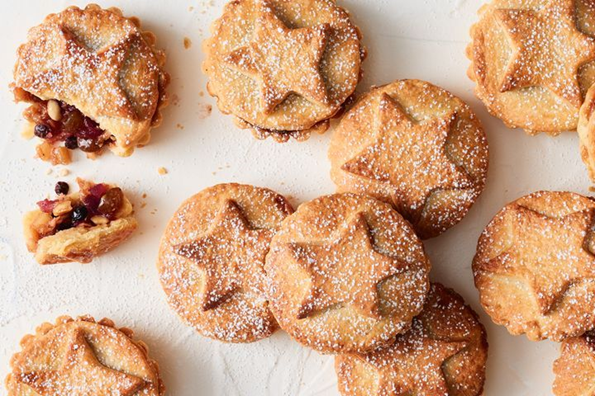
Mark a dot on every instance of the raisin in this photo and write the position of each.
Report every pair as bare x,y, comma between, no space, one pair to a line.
78,214
71,143
41,131
62,188
111,202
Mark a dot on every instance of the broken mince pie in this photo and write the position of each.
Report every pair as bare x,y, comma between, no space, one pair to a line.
93,79
79,226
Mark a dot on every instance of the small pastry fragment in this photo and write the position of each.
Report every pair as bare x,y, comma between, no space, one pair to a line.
534,267
347,274
79,226
415,146
93,79
444,353
212,256
534,61
283,68
82,357
575,368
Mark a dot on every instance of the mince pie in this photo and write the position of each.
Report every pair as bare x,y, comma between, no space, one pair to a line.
79,226
283,67
92,78
82,357
347,274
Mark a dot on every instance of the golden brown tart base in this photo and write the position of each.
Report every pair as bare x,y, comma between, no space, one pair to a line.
347,274
416,146
534,266
251,63
575,368
212,256
101,63
56,235
81,357
444,353
534,61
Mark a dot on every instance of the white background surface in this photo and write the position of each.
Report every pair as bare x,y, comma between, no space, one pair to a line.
422,39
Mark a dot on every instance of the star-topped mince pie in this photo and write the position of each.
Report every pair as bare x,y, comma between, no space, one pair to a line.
80,358
79,226
535,267
444,353
347,274
533,62
415,146
575,368
211,260
283,68
93,79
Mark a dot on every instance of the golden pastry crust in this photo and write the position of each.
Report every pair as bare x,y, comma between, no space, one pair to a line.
575,368
534,266
586,132
80,244
212,256
444,353
77,357
251,58
416,146
103,64
347,274
533,61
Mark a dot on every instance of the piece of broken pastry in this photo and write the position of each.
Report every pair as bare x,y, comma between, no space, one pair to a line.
79,226
93,79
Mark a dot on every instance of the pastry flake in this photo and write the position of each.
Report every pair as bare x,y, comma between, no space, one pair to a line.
534,266
251,63
83,357
93,78
211,261
445,350
347,273
575,368
531,62
415,146
79,226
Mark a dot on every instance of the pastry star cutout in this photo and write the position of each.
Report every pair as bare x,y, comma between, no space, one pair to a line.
409,157
414,366
548,49
81,374
97,74
231,255
346,270
283,60
548,253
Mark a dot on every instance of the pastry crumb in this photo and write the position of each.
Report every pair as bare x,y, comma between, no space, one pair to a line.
180,126
187,43
204,110
64,172
162,171
28,131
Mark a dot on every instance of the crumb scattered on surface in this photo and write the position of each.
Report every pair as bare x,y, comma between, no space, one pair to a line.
204,110
175,100
179,126
64,172
187,43
162,171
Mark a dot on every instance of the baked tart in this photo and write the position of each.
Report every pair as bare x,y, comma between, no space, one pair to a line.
79,226
211,261
347,274
444,354
575,368
283,68
93,79
535,266
82,357
533,62
415,146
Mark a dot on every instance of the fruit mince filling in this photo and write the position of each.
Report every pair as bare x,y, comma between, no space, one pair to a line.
97,204
56,122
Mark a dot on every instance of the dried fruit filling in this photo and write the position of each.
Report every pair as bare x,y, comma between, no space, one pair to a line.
96,204
56,121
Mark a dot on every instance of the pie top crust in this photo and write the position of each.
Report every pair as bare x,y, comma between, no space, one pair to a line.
81,357
103,64
575,368
444,353
212,256
347,273
416,146
251,63
535,266
534,61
